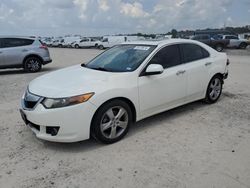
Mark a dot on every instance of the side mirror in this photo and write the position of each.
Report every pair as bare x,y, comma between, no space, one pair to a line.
154,69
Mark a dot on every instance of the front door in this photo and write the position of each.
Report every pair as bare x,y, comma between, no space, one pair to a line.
158,93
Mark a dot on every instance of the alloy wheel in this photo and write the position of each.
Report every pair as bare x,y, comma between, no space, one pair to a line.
215,89
114,122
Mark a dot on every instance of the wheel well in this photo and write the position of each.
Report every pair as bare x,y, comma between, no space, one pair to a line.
131,105
243,43
220,75
220,44
32,55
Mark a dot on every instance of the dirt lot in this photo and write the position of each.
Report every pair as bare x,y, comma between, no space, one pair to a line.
196,145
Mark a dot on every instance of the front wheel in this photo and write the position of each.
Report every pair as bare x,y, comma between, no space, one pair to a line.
214,89
111,122
32,64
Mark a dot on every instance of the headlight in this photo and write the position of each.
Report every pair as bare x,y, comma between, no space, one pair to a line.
63,102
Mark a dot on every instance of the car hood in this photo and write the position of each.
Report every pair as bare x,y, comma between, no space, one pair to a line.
71,81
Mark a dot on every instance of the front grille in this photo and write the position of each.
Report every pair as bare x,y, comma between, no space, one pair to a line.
30,100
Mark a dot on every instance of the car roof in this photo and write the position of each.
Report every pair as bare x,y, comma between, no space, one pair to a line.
162,42
22,37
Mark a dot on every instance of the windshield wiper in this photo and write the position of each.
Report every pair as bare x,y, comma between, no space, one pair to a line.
100,68
96,68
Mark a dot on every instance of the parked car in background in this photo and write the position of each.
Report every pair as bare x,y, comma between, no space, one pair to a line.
23,52
57,43
86,42
236,42
214,42
125,84
110,41
67,41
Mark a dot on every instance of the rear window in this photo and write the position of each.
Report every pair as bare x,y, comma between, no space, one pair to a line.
193,52
15,42
231,37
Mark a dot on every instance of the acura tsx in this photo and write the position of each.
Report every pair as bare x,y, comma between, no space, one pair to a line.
123,85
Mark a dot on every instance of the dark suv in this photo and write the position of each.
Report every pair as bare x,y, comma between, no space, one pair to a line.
213,41
23,52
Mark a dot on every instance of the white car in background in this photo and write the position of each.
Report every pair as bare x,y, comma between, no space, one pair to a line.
125,84
85,42
236,42
110,41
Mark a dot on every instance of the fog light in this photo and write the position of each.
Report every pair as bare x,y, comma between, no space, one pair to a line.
52,130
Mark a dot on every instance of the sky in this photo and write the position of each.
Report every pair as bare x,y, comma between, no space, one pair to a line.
102,17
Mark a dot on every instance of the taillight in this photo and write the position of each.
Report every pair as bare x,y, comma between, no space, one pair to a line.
228,62
44,47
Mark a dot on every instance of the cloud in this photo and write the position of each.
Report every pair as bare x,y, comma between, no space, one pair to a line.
99,17
133,10
103,5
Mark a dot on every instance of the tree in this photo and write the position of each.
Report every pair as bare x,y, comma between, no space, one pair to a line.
174,33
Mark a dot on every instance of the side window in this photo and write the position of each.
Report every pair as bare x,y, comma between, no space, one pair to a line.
105,40
169,56
15,42
1,43
193,52
205,53
26,42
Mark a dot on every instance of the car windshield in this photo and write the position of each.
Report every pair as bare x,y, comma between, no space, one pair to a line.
121,58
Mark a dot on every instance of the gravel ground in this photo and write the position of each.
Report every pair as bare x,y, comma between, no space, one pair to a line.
196,145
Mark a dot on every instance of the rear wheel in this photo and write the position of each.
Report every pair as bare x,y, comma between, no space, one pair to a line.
111,122
214,89
77,46
219,47
243,45
101,47
32,64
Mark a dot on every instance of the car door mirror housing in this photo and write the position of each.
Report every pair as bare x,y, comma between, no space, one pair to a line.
154,69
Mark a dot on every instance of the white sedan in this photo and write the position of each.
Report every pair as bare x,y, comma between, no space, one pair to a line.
121,86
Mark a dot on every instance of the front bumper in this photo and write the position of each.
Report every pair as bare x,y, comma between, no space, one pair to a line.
73,122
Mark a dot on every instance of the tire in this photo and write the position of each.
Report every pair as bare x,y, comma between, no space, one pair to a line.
243,45
32,64
96,45
77,46
219,47
101,47
111,122
214,89
60,46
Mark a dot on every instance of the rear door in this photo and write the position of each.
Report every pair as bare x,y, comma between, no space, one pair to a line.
233,41
198,62
14,50
84,42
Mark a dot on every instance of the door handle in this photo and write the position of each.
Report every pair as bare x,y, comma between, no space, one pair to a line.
208,63
1,52
180,72
24,50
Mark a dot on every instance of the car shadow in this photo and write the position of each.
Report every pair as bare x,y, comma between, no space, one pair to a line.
21,71
165,116
75,147
142,125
